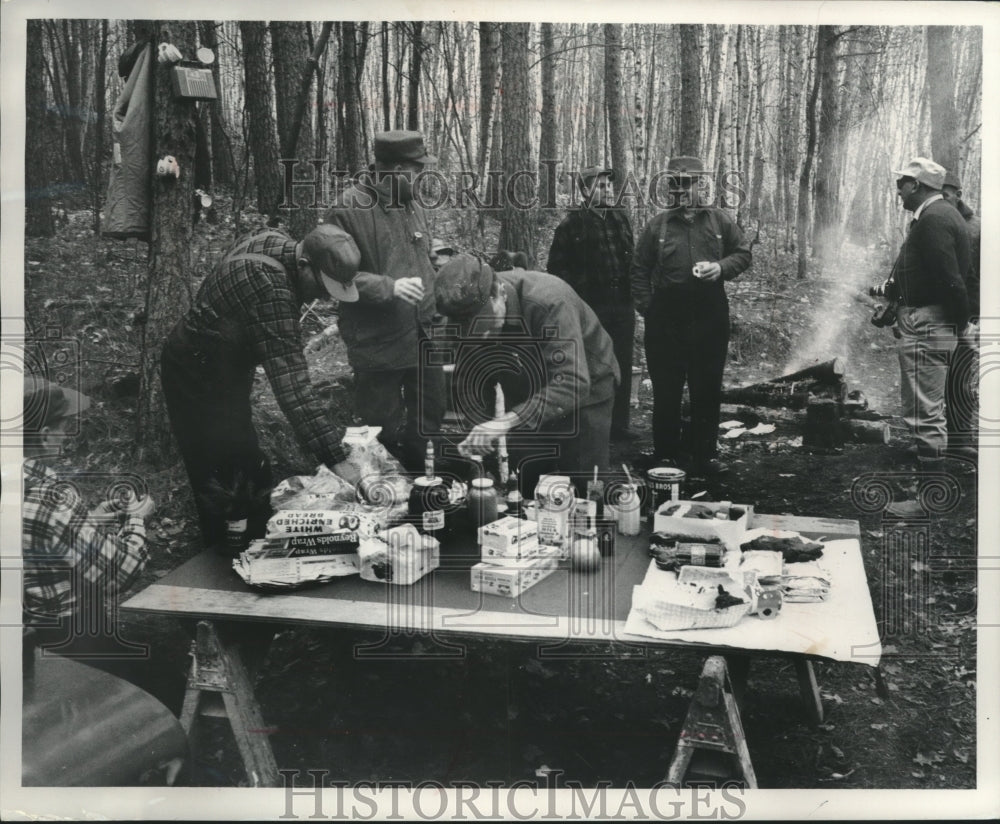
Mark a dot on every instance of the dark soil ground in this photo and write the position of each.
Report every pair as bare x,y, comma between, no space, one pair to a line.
501,713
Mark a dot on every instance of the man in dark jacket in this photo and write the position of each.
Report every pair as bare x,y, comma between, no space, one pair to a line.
934,305
683,257
532,334
387,327
246,314
592,252
962,401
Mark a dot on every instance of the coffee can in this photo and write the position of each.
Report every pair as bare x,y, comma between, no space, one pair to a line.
664,484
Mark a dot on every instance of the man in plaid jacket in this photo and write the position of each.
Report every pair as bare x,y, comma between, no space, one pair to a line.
71,554
246,314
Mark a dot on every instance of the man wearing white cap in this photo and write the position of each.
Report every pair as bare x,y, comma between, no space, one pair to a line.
934,306
246,314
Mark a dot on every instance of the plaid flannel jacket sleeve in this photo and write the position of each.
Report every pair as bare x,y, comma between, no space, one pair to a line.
69,556
276,339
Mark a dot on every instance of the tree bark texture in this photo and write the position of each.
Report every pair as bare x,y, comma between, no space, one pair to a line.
614,100
826,223
38,203
689,131
941,88
517,227
169,280
260,120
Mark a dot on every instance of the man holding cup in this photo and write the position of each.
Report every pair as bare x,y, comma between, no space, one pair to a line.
682,260
385,328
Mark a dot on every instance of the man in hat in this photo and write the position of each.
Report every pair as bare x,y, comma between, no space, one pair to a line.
532,334
76,561
933,303
246,314
592,251
384,330
441,253
961,405
683,258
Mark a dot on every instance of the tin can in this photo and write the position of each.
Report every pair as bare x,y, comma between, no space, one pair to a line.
664,485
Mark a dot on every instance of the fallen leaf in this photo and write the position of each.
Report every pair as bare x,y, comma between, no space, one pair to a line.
928,760
879,726
837,751
876,701
961,755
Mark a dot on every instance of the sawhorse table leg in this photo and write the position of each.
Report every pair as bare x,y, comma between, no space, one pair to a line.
712,734
809,690
218,669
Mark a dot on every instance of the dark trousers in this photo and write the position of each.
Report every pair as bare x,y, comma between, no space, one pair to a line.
961,401
622,333
687,338
407,403
564,447
207,392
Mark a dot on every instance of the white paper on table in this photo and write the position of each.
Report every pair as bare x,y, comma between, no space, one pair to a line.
841,628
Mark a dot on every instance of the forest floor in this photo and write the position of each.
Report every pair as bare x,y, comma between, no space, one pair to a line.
501,714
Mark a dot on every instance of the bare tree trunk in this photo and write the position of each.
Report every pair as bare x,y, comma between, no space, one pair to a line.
350,102
689,134
826,225
168,285
941,88
386,113
517,227
802,220
547,144
613,98
489,81
416,56
261,131
101,106
38,204
221,147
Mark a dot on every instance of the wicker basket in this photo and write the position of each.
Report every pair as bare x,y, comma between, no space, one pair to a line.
674,609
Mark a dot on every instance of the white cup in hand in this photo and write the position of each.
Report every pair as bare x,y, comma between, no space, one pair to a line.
409,289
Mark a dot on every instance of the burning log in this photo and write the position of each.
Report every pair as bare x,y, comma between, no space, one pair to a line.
829,372
796,389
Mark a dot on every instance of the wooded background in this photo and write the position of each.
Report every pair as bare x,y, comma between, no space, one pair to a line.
803,123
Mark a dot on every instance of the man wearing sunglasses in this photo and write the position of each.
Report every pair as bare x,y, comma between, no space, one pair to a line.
934,305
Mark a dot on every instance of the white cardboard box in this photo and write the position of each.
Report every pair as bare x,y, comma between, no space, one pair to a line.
553,526
510,581
701,529
505,537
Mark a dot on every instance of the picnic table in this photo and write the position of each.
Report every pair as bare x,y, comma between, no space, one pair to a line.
564,609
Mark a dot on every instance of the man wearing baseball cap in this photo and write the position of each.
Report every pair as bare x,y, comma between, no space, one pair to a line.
683,259
933,303
246,314
592,251
384,330
532,334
